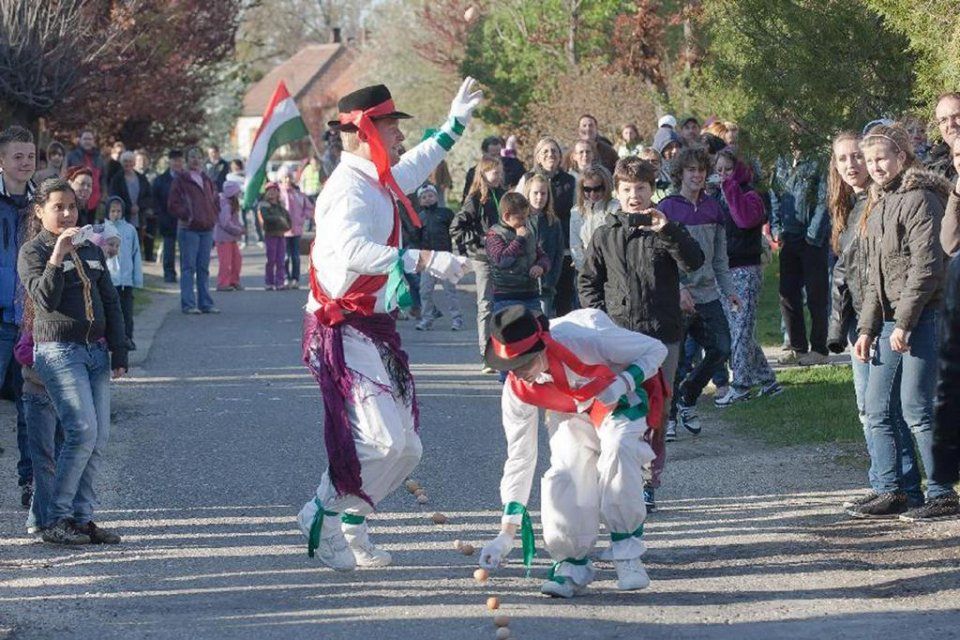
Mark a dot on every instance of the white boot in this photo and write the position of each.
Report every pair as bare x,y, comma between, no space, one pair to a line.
333,550
564,586
366,554
631,575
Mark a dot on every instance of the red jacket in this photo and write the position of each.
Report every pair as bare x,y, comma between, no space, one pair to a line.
197,209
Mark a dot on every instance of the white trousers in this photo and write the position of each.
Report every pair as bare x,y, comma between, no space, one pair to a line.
594,473
387,446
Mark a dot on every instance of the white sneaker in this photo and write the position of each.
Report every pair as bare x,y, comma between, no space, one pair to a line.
425,324
566,589
366,554
671,433
731,397
333,549
631,575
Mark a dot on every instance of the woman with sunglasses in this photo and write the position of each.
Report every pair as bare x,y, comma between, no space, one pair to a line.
594,201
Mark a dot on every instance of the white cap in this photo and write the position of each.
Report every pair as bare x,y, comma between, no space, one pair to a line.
667,121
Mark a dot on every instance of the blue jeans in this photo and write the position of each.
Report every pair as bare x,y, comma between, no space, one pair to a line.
46,441
907,471
910,377
293,258
195,247
8,339
77,377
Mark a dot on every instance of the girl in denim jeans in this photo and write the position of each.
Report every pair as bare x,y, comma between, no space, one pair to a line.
77,321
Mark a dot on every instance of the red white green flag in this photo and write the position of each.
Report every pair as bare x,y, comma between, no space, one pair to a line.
282,124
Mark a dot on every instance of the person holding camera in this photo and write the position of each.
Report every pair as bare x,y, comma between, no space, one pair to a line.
631,270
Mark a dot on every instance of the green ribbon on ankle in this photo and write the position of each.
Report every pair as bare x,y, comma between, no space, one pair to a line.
351,518
617,537
526,532
314,540
552,574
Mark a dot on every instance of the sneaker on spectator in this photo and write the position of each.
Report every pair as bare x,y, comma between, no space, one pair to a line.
293,284
687,417
192,311
771,389
721,391
211,310
886,505
456,324
98,535
790,358
849,503
814,359
437,314
649,499
671,433
732,397
939,508
26,494
64,533
425,324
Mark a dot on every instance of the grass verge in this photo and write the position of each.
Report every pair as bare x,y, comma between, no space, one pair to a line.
817,405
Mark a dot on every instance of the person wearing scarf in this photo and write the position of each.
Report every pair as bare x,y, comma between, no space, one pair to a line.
598,382
351,344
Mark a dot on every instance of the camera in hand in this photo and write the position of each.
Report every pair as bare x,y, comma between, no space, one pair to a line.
639,219
85,234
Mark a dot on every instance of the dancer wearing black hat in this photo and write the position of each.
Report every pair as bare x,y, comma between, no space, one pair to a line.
351,344
598,382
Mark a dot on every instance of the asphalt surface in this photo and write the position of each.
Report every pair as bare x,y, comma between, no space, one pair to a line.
216,444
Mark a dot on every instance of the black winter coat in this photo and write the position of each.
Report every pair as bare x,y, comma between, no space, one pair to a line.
946,426
849,280
470,225
634,276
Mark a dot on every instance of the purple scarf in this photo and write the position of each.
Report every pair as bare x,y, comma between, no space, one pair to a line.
323,355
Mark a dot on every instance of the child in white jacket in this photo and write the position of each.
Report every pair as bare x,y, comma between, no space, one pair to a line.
125,264
588,373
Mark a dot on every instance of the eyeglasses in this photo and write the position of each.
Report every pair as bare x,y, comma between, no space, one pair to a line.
598,189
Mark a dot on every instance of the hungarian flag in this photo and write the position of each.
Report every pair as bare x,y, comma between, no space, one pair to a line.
282,124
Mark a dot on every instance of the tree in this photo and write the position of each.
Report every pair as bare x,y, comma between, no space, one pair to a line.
794,73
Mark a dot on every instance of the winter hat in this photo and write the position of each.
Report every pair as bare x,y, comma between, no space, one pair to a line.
663,138
427,188
667,121
231,189
515,337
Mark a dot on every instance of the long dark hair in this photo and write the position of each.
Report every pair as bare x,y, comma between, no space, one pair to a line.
839,194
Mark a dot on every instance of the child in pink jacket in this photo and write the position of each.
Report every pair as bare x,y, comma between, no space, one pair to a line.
226,235
300,209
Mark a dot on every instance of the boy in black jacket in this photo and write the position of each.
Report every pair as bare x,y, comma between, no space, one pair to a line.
435,235
633,273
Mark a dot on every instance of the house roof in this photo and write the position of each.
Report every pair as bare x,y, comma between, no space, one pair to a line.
312,63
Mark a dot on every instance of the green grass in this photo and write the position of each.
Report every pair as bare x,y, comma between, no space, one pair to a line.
142,297
817,405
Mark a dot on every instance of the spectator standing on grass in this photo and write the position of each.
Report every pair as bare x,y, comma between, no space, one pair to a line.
193,202
226,236
744,217
706,322
898,326
848,186
78,330
947,116
479,212
87,154
799,222
125,264
81,180
549,234
166,220
275,222
56,163
632,272
216,167
299,210
435,236
18,160
630,142
594,201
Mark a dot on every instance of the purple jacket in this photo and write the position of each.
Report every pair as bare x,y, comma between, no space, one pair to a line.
229,228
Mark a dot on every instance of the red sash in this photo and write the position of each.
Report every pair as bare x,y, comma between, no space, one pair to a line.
361,297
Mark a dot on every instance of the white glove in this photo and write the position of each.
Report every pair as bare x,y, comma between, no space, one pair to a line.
496,551
446,266
611,395
465,102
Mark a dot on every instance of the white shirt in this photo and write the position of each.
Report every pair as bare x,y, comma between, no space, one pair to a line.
355,216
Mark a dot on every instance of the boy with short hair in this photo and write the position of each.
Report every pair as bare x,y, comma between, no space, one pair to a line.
702,287
435,236
633,273
18,162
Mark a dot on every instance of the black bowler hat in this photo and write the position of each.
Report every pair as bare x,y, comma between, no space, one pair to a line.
514,337
363,99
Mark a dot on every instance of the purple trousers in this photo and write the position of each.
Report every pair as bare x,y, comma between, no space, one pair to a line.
276,252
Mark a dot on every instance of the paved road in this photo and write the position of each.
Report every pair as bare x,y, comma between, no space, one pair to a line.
216,445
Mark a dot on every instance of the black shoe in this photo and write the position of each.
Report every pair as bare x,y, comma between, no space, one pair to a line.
64,532
648,499
26,494
886,505
98,535
856,502
939,508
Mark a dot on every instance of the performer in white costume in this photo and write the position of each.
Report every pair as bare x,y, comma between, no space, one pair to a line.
350,340
593,378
